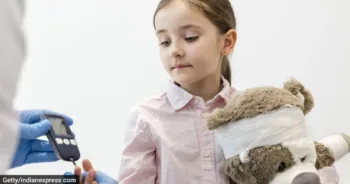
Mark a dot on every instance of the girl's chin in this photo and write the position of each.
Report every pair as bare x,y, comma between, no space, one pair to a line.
184,79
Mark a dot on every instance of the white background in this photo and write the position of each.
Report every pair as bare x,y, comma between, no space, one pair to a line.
94,60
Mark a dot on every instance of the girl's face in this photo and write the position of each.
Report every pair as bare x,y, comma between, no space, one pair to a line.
190,45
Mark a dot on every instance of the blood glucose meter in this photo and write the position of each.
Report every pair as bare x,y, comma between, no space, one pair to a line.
62,139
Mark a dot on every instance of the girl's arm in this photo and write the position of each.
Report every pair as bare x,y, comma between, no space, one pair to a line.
138,157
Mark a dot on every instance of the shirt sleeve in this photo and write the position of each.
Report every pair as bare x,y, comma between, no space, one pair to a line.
138,156
12,52
329,175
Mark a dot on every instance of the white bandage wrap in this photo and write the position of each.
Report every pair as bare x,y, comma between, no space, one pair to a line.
279,126
337,145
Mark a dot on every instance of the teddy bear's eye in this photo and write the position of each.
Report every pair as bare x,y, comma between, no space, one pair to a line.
282,167
303,159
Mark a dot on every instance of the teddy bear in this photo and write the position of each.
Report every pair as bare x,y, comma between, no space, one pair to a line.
263,134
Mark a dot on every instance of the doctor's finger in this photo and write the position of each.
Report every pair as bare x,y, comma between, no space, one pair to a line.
33,131
34,116
41,145
38,157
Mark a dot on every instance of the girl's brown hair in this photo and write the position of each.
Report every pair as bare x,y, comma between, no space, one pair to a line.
220,13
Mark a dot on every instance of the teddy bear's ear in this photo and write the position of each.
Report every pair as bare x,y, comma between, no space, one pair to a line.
297,89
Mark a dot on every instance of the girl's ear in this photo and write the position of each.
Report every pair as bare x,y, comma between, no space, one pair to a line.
230,39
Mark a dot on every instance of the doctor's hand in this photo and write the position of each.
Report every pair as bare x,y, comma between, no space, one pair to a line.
91,176
30,149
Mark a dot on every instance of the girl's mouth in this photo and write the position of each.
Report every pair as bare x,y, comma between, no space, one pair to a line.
179,66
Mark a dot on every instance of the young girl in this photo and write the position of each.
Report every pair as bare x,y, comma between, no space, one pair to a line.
167,140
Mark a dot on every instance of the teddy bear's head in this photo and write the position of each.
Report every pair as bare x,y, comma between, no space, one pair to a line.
263,134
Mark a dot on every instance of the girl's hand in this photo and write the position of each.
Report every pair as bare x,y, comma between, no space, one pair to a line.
89,175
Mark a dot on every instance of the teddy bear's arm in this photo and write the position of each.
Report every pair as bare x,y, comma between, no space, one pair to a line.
331,149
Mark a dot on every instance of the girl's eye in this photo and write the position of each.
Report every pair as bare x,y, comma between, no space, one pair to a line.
165,43
191,39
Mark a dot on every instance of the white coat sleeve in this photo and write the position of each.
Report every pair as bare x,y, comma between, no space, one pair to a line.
12,52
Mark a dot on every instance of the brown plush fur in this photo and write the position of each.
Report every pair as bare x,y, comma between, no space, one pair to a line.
324,156
263,165
261,100
267,161
294,87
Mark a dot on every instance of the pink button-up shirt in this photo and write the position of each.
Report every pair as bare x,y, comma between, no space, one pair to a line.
168,141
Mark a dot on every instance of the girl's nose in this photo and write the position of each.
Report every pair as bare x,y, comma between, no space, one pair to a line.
177,52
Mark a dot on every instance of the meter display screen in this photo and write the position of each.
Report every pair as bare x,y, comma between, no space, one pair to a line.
58,126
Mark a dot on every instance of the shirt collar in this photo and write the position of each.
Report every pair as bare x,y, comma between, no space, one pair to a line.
179,97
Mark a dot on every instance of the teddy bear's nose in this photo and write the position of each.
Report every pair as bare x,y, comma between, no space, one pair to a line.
306,178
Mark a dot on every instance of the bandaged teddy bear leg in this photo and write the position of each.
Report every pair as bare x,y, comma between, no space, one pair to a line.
331,149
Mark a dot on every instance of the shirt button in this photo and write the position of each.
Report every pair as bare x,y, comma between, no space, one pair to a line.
196,101
204,115
207,154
